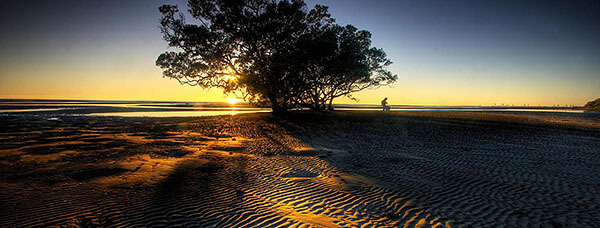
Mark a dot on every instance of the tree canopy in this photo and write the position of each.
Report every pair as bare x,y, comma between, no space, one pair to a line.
594,105
274,53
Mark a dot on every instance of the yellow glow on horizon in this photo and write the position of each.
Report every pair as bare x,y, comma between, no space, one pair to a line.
145,82
233,101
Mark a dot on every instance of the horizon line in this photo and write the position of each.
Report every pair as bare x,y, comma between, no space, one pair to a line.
244,102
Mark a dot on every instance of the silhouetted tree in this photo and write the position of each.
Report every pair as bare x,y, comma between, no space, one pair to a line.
594,105
265,49
338,61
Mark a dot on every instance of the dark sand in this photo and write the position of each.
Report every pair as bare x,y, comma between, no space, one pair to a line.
355,169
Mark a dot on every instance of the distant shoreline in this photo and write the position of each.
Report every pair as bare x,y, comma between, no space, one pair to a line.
337,105
189,109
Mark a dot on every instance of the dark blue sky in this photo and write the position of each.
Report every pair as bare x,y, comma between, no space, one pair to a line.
445,52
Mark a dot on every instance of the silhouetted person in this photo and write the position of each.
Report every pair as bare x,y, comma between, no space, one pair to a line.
384,105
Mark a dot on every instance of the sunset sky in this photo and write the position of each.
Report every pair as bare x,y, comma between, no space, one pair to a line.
444,52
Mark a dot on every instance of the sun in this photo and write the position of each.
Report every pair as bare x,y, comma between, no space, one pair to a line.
233,101
230,78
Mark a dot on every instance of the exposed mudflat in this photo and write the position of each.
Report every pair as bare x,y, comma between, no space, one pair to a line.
354,169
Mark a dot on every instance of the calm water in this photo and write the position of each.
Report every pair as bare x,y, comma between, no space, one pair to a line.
188,109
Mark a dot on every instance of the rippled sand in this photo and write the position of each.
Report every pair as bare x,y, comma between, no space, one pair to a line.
354,169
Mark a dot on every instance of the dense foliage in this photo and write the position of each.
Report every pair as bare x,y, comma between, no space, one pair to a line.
274,53
595,104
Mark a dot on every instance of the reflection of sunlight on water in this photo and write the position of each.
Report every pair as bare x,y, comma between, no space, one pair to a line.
178,113
167,105
32,110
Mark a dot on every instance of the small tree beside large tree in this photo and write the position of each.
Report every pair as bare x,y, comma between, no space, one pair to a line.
271,52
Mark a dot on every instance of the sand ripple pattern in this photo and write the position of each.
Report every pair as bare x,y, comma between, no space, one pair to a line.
478,172
261,192
345,170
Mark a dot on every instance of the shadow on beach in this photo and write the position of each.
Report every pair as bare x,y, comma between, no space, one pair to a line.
438,169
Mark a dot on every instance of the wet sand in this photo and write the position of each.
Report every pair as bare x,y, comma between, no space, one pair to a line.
354,169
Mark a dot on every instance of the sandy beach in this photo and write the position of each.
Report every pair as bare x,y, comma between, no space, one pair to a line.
341,169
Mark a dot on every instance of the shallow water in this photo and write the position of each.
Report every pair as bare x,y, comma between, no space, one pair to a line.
192,109
32,110
179,113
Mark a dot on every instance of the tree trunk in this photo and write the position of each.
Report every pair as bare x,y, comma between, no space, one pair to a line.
279,110
275,107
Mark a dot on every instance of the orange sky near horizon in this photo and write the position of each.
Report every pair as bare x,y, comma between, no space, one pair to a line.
136,78
133,76
147,83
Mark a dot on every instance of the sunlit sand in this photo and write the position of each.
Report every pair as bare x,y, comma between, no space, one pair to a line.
354,169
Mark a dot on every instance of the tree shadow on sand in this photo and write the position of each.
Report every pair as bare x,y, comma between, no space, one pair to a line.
467,170
291,181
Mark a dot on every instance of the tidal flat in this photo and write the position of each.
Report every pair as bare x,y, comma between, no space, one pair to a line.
345,168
